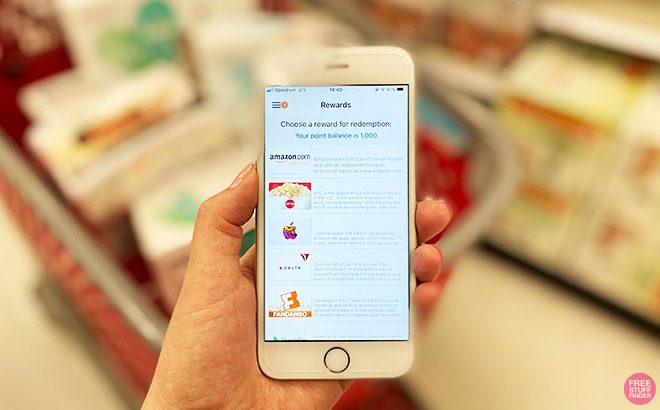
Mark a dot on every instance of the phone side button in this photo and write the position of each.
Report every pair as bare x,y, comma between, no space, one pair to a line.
336,360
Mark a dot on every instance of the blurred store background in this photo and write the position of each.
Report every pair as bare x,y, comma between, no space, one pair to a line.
538,120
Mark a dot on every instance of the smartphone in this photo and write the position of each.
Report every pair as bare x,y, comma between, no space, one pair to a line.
335,218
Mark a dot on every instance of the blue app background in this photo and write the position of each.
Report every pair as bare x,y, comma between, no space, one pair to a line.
336,255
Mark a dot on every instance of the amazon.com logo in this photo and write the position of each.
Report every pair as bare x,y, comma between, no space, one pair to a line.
289,157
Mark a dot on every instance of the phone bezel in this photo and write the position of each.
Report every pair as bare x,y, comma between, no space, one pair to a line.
347,66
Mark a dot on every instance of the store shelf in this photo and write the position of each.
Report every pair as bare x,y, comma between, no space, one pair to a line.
445,66
631,27
607,289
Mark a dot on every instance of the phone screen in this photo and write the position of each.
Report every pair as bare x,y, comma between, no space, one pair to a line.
336,241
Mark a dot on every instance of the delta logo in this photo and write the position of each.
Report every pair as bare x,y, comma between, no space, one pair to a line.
290,308
290,268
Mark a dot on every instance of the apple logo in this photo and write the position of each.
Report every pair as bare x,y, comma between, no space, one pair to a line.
289,231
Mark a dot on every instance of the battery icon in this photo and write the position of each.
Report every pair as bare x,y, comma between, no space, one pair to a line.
399,89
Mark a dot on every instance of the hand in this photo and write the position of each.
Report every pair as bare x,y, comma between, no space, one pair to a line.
208,359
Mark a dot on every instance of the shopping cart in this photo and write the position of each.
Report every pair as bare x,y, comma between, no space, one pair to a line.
127,328
122,325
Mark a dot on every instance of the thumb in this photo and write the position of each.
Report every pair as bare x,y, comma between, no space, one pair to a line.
214,253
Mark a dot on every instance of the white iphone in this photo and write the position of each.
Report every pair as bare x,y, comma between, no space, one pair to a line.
335,220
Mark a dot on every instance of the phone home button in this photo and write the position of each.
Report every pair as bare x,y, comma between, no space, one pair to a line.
336,359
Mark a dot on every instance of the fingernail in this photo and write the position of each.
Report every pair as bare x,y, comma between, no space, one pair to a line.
242,175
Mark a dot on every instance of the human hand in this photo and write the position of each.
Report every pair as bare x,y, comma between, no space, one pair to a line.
208,359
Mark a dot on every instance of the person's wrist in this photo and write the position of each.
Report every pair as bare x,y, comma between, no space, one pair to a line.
156,400
159,400
153,401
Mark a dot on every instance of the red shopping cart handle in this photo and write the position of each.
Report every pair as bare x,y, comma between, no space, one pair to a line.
441,173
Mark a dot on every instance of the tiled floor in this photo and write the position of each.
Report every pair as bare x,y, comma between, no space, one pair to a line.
41,365
502,338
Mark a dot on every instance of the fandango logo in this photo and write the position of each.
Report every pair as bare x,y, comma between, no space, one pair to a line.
290,313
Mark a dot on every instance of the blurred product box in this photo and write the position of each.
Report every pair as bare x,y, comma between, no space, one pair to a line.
31,48
88,142
563,105
108,38
621,247
489,31
163,218
103,190
224,52
405,19
195,12
48,99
